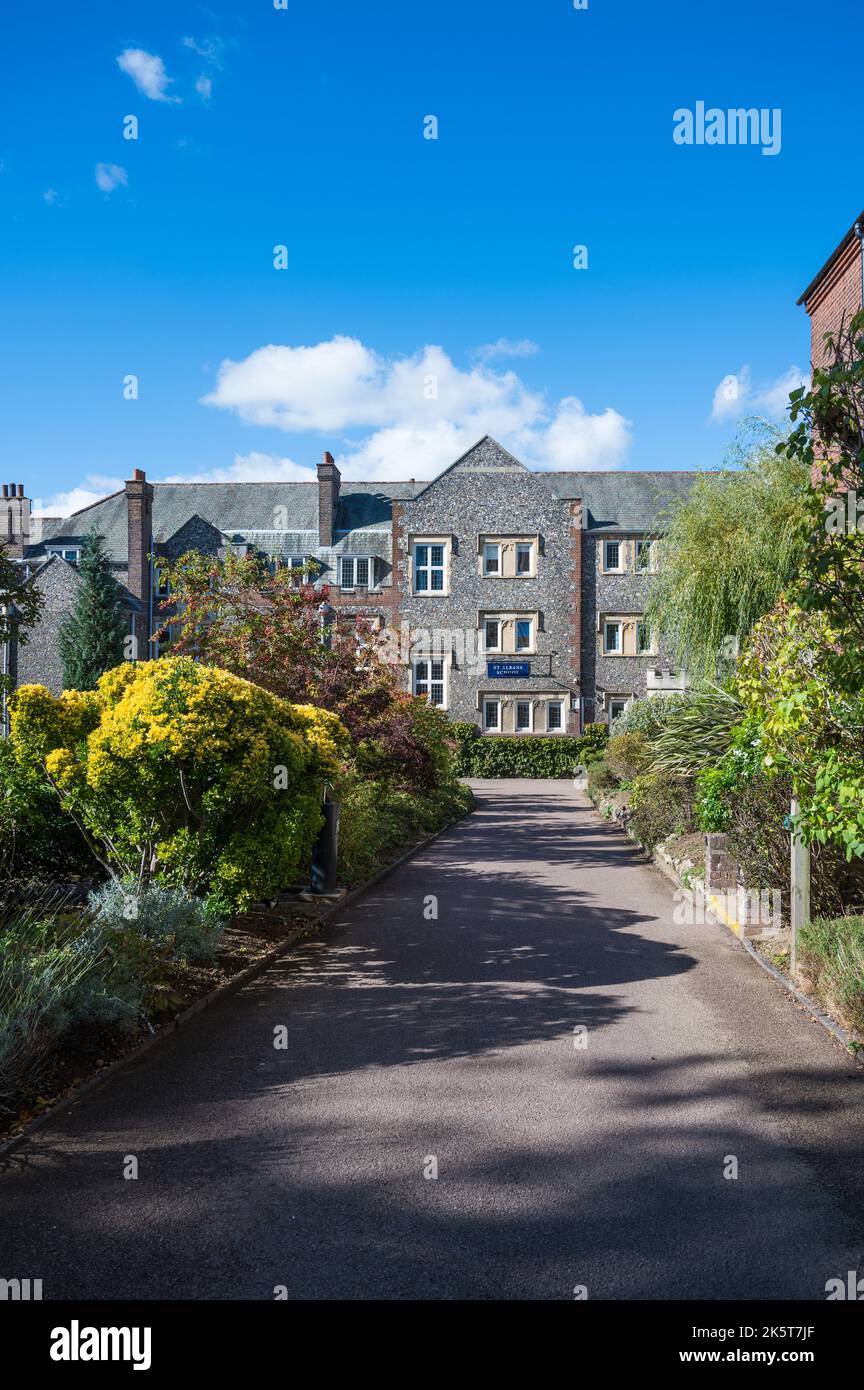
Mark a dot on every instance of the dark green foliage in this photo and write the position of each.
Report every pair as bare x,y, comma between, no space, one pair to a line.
592,743
502,755
660,806
829,431
378,821
19,608
91,638
38,840
751,806
600,778
627,755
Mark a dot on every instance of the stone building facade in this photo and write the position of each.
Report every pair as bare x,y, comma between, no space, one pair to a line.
513,598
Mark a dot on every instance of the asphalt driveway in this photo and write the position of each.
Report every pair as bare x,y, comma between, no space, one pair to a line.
516,1010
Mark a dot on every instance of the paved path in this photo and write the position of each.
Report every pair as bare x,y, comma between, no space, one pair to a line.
409,1038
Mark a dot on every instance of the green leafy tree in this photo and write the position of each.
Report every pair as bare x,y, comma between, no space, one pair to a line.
728,551
808,730
829,441
91,638
20,607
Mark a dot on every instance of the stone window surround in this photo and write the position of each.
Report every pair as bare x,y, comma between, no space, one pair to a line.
628,624
620,568
507,555
507,620
539,700
628,556
625,700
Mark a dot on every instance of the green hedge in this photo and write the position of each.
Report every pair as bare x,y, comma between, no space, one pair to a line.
501,755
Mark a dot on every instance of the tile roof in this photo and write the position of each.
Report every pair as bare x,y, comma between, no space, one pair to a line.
284,516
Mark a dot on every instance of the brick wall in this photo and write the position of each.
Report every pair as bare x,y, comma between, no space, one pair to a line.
834,296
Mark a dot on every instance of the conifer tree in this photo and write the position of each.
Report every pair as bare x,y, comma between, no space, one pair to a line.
92,636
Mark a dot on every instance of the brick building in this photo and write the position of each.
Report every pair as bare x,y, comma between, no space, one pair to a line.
515,598
834,294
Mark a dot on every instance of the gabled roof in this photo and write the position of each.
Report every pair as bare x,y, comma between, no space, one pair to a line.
42,571
286,513
486,456
234,509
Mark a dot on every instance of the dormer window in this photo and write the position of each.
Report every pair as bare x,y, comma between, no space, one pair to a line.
357,572
71,554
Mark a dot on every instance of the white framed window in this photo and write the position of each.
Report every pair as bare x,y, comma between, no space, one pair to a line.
492,635
645,555
617,705
612,638
555,716
613,560
430,680
524,634
297,565
71,554
163,584
430,567
356,571
524,558
492,558
491,716
524,716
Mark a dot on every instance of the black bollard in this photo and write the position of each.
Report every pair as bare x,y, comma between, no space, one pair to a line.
325,854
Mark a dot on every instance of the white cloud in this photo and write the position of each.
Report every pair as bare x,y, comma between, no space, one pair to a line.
110,176
211,49
413,415
204,88
50,195
249,468
505,347
735,395
147,71
95,486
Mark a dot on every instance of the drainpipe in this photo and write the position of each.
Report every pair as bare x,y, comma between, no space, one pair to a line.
859,232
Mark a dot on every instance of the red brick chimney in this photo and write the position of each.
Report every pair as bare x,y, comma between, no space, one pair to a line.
14,520
139,518
329,479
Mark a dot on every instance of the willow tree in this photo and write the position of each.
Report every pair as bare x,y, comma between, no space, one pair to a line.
727,552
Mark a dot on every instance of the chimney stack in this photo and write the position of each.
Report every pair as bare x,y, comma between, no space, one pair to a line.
139,521
329,478
14,520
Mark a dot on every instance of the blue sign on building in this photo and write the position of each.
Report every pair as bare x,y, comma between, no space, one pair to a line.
508,670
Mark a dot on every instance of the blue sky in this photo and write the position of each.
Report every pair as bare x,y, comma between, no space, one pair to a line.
430,293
